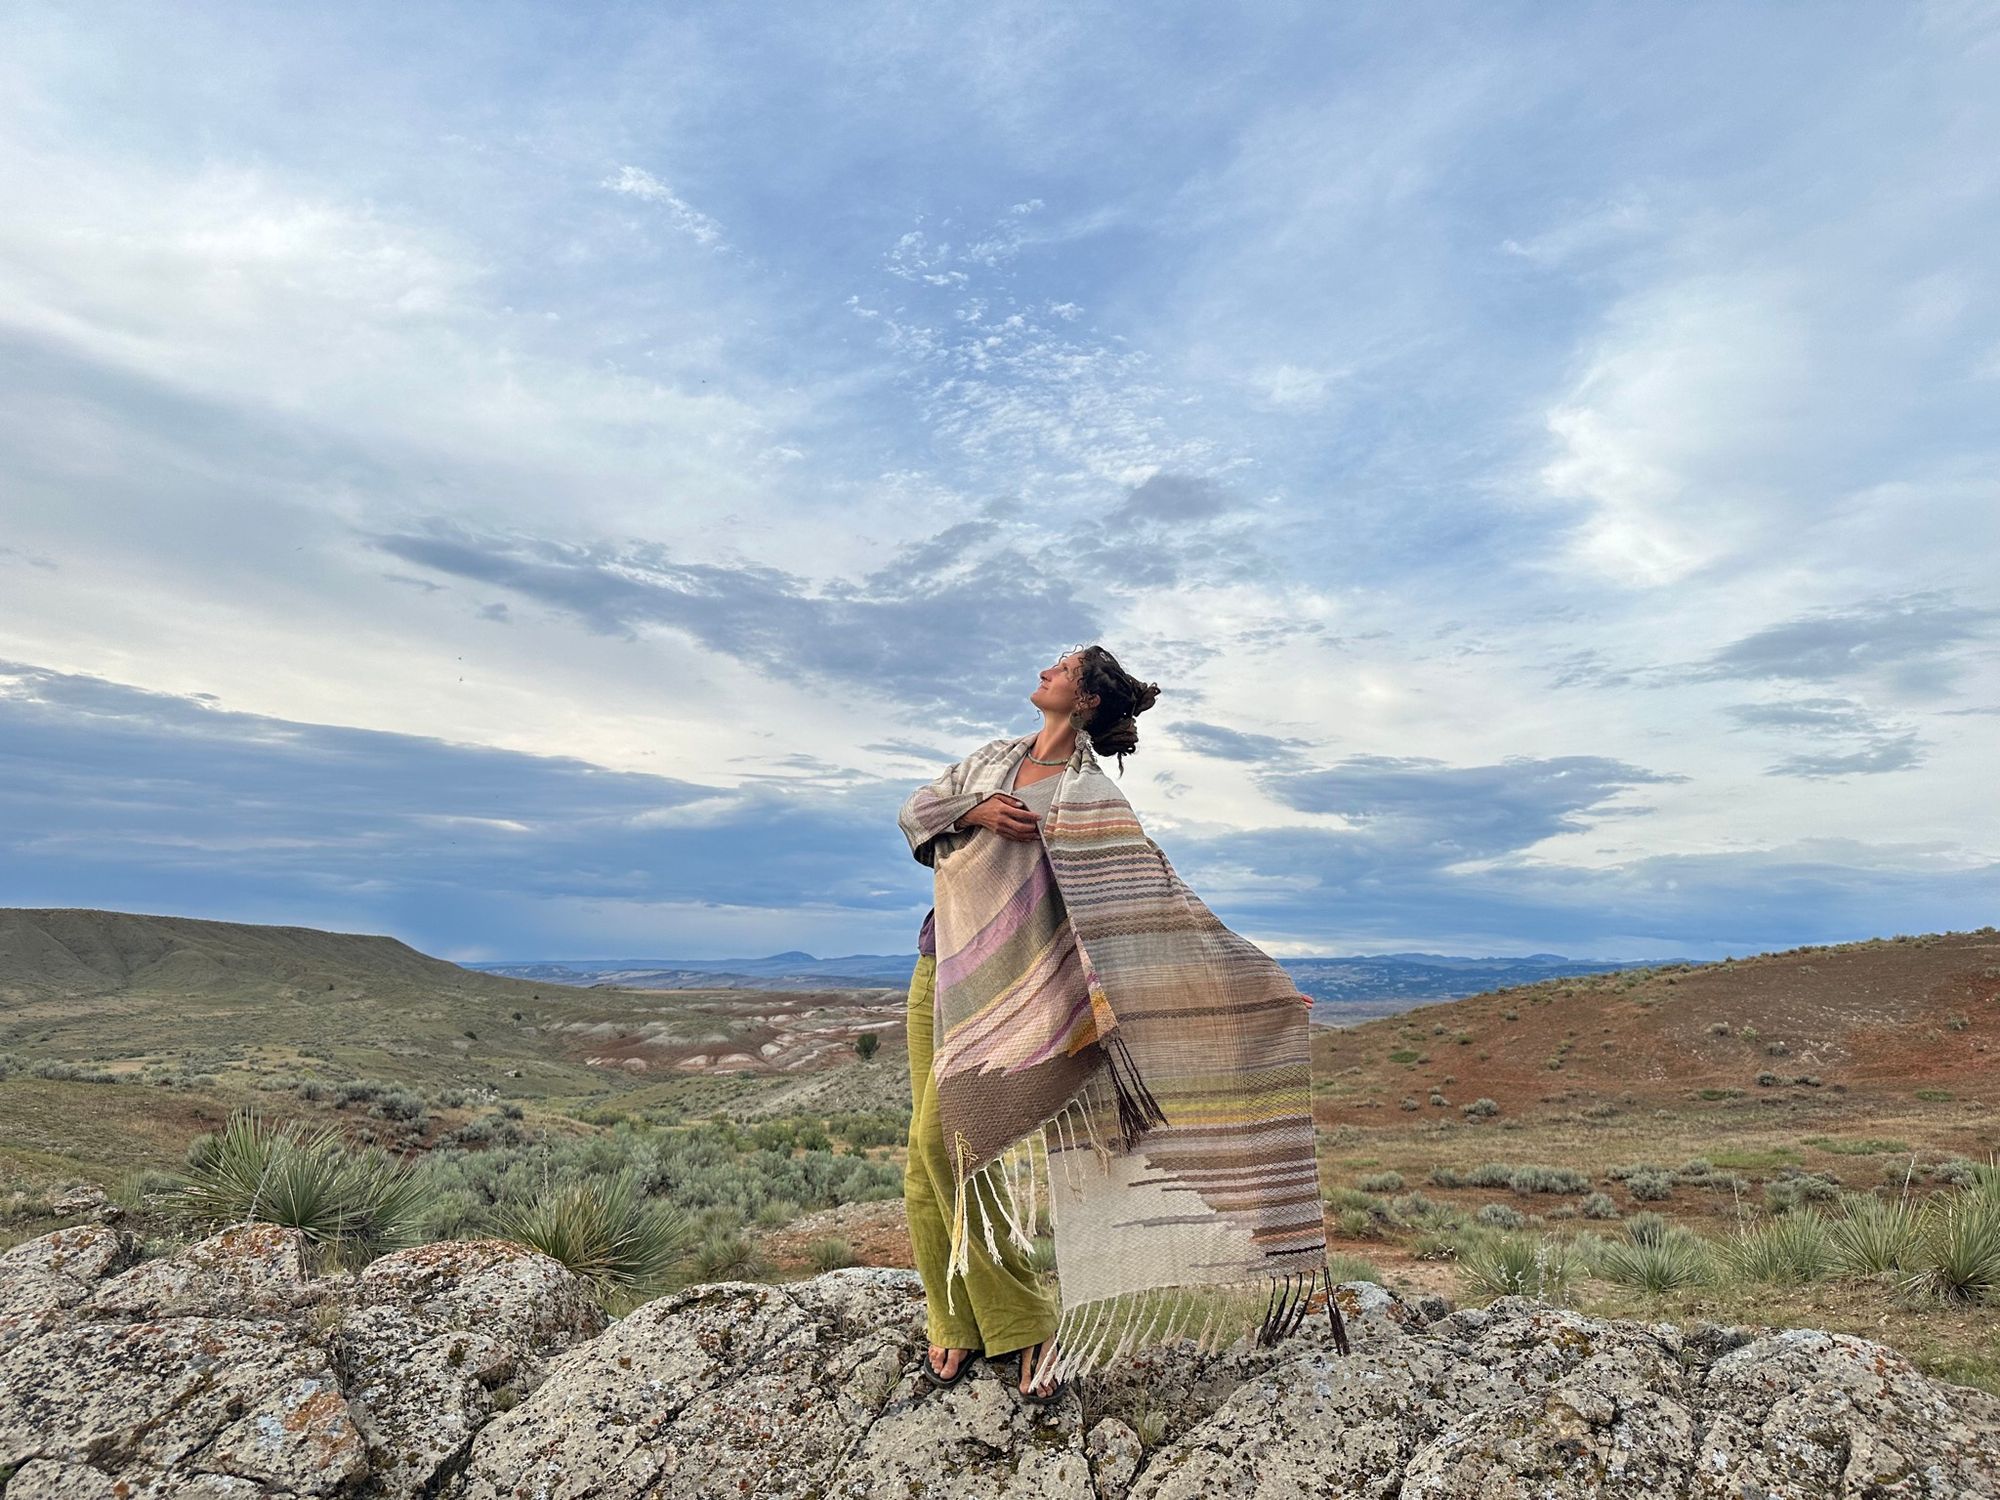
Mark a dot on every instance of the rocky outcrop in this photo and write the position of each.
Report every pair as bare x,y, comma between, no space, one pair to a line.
481,1371
227,1370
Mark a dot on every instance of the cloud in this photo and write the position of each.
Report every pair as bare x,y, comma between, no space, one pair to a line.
697,225
1455,813
1900,753
117,796
1391,376
1879,745
1911,642
1224,743
149,801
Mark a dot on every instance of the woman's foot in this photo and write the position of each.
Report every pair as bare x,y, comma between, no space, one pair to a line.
1036,1358
945,1364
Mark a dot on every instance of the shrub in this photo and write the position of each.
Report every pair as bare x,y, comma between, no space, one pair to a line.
398,1104
355,1205
1344,1265
1599,1206
1535,1179
1380,1182
1369,1203
605,1232
1415,1207
728,1255
1647,1228
1959,1171
1357,1223
1650,1186
1500,1216
68,1072
1788,1193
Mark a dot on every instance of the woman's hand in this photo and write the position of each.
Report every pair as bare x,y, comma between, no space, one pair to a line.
1007,816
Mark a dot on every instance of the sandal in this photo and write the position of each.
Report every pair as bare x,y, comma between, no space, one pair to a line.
1024,1367
942,1381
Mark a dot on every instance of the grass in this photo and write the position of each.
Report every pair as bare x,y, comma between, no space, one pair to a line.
1930,1268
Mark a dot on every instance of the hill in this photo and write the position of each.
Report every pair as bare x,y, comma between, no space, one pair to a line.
68,952
217,1014
122,991
1881,1019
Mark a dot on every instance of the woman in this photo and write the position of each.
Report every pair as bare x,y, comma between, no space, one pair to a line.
1071,990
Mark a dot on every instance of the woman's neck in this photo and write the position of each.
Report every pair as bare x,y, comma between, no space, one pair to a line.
1054,742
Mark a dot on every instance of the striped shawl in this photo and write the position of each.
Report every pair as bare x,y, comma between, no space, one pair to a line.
1174,1112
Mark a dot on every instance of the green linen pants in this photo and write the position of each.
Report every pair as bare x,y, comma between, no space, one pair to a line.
1002,1306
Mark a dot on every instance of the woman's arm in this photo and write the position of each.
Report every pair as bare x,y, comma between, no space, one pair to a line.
935,809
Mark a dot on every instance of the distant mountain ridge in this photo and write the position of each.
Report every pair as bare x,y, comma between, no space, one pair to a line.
1349,986
46,953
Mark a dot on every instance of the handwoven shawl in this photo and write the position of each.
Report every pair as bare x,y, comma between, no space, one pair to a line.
1175,1110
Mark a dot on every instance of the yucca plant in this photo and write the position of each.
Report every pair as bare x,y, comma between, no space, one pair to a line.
1958,1250
1787,1251
605,1232
1507,1264
729,1255
829,1254
1664,1264
1875,1235
353,1206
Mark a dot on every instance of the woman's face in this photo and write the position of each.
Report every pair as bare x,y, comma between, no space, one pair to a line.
1057,692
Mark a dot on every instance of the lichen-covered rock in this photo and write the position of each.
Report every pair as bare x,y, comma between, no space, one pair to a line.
437,1338
227,1371
1114,1451
58,1270
1805,1412
482,1371
1521,1401
730,1388
247,1269
245,1397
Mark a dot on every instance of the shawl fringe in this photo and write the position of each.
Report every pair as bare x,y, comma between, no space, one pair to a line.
1138,1110
1092,1334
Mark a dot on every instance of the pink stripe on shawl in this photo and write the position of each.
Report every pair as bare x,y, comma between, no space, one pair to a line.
1006,922
980,1036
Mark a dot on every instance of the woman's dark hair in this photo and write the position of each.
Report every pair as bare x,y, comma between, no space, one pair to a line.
1113,725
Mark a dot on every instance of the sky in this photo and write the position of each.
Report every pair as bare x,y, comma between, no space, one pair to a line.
548,481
